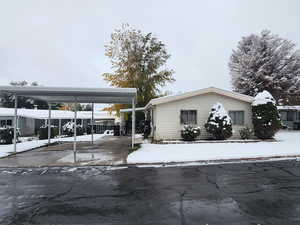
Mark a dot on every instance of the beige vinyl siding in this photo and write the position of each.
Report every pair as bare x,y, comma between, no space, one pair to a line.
167,115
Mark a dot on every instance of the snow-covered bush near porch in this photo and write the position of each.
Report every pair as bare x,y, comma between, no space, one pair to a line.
265,116
189,133
43,132
245,133
69,128
219,123
7,135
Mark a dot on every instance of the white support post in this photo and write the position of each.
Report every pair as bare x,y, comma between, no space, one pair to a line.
15,123
49,124
133,123
75,131
92,124
59,127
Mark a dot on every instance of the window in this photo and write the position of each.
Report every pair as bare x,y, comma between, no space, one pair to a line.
283,115
237,117
2,123
188,116
290,116
9,122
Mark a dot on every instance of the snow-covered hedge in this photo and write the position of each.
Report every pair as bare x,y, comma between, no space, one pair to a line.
7,135
69,128
43,132
189,133
265,116
219,123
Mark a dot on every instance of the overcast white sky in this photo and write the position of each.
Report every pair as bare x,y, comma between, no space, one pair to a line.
61,42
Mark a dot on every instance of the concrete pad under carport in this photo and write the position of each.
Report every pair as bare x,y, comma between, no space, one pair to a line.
109,150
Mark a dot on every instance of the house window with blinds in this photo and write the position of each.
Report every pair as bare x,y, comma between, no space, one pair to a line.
188,116
237,117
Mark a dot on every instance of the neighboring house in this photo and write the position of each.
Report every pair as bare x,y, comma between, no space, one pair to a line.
30,120
169,114
290,116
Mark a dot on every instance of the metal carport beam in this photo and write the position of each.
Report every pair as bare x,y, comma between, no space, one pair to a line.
75,132
49,124
92,124
15,123
133,123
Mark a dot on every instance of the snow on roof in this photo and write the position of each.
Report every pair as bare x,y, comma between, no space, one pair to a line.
289,107
263,98
55,114
171,98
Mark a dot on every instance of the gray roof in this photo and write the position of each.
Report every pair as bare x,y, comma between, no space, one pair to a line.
172,98
72,94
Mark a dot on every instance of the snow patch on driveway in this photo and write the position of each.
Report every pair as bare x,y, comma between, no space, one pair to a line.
6,150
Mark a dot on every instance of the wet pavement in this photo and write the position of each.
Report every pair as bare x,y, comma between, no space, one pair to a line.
241,194
108,150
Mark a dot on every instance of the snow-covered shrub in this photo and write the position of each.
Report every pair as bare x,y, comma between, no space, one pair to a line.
189,133
219,123
108,132
43,132
265,116
7,135
69,128
245,133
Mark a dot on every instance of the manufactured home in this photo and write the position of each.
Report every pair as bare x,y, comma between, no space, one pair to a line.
169,114
290,116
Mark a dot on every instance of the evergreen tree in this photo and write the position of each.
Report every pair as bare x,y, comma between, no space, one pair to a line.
266,62
219,123
265,116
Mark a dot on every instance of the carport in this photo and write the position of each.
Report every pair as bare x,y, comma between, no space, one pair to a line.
72,95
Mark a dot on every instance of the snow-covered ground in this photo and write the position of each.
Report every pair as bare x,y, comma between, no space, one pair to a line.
287,145
6,150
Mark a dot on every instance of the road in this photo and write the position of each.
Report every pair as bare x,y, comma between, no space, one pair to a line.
256,193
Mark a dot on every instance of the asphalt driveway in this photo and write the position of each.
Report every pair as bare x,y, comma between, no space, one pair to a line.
242,194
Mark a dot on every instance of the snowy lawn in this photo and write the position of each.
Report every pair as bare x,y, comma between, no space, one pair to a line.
6,150
287,145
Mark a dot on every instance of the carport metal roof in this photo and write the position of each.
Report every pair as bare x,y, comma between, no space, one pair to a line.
71,94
